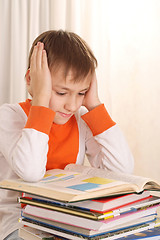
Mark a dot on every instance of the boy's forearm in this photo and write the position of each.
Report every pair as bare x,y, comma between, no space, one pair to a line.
108,148
25,149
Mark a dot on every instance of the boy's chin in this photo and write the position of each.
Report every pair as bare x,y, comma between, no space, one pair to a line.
60,121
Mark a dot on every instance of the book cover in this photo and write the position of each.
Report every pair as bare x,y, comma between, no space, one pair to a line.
77,182
150,234
110,203
64,208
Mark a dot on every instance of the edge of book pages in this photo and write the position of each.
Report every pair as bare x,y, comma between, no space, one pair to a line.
107,235
70,208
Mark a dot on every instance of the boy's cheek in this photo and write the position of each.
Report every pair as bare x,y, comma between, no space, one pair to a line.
81,103
55,104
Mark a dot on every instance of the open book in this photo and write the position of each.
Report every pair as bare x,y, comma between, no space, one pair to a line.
77,182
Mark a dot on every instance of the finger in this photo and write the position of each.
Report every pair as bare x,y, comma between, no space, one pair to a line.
44,59
39,55
33,58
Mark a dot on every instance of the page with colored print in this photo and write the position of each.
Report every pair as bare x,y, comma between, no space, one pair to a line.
76,183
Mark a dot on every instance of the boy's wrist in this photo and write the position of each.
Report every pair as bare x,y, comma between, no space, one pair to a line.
94,105
40,101
40,118
98,120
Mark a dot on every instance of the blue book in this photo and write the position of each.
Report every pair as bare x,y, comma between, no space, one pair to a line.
150,234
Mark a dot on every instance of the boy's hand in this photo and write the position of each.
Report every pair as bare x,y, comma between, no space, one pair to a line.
41,81
91,99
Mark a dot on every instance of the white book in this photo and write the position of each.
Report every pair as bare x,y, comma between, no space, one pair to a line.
112,236
87,232
104,225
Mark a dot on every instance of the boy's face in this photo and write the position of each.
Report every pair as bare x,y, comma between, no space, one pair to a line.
67,95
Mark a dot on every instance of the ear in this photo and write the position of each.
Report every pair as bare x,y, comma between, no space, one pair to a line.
28,82
28,79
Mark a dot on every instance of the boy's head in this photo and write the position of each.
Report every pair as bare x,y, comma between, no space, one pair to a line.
69,49
72,66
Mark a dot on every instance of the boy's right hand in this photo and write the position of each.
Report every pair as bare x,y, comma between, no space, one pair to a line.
41,81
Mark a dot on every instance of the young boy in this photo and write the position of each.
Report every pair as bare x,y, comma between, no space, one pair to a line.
51,129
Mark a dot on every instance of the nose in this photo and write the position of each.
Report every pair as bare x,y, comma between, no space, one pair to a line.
71,104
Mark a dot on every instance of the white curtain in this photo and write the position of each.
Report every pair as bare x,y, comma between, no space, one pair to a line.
125,37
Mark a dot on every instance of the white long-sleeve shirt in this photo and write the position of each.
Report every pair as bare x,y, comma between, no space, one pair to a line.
30,143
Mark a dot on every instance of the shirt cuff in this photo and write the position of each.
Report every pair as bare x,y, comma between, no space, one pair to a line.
98,120
40,118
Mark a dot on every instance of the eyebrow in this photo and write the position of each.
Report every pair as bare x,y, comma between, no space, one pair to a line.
68,89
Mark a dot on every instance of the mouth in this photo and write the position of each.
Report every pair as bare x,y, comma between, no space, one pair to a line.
65,115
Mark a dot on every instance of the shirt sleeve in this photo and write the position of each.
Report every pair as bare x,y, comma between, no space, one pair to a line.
98,120
24,141
40,118
105,144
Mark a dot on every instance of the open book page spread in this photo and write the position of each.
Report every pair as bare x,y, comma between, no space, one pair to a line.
73,182
77,182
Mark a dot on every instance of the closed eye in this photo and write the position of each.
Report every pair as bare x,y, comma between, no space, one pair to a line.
60,93
82,93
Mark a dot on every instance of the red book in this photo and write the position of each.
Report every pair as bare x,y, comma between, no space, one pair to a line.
109,203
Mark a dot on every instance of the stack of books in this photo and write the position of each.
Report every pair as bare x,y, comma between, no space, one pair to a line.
28,233
103,218
82,202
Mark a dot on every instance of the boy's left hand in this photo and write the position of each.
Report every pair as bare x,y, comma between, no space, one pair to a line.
91,99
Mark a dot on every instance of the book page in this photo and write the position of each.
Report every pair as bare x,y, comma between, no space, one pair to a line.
123,177
76,181
66,185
